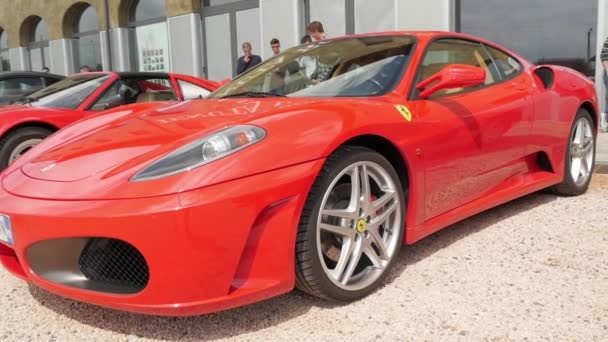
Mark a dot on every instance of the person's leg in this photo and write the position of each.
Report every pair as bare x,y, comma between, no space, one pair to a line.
604,114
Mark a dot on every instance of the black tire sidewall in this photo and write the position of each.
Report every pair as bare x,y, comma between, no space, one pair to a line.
322,183
16,137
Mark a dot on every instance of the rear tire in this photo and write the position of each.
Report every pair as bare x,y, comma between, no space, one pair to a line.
580,157
18,142
352,226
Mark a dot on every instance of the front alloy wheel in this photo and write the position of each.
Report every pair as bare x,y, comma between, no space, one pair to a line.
352,226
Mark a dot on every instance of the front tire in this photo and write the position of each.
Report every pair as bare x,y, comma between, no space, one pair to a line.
352,226
18,142
580,157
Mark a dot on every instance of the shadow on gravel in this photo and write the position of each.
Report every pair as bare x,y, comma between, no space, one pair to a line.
444,238
272,312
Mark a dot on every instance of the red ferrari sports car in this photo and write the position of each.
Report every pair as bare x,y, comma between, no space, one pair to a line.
310,171
38,115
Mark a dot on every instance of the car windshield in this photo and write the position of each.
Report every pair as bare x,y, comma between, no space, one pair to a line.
68,93
347,67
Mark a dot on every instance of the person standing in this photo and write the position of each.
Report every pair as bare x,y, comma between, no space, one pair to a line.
308,63
316,31
275,45
248,60
604,58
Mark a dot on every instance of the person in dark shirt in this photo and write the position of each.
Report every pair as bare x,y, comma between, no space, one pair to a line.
248,60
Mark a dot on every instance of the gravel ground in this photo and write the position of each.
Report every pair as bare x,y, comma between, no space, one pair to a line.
533,269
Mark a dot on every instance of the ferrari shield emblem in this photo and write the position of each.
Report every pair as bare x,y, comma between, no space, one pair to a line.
405,112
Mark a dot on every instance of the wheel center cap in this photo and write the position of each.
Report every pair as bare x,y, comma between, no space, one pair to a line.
361,226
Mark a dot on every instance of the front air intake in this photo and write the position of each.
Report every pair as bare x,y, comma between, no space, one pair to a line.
115,264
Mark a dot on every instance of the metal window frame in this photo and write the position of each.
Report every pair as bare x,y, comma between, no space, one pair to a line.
231,9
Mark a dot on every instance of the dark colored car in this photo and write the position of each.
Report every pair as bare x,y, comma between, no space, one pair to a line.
15,85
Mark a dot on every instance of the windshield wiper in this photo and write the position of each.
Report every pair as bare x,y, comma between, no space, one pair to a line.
28,100
253,94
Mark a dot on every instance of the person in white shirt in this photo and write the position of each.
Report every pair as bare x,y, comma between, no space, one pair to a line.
308,63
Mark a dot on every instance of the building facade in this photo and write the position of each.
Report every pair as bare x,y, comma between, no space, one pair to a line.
203,37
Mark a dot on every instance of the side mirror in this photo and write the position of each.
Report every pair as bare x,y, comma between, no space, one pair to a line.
450,77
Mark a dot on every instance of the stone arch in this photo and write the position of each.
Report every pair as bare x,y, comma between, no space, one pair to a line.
71,18
27,29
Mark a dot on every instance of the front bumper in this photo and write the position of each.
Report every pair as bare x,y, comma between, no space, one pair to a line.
207,250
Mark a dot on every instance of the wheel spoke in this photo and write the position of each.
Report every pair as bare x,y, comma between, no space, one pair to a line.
346,214
575,168
338,230
345,254
579,133
584,168
375,238
378,220
588,144
373,256
355,190
382,201
365,195
353,261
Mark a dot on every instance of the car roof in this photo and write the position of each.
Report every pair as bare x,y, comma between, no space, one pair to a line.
15,74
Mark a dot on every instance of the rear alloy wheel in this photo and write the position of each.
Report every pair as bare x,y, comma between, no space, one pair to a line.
352,225
18,142
580,157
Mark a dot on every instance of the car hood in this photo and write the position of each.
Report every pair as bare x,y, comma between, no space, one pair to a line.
96,158
136,136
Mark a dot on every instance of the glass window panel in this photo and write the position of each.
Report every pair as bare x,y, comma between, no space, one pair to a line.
41,33
36,59
5,62
150,9
217,35
374,16
208,3
507,65
88,20
192,91
153,47
3,40
443,52
548,31
20,86
87,51
331,13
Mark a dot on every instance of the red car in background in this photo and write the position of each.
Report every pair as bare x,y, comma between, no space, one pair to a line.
40,114
283,178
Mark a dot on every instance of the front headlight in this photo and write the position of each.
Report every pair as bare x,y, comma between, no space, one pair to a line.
203,151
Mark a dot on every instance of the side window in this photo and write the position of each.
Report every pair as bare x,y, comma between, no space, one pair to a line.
127,91
507,65
48,81
191,91
444,52
17,86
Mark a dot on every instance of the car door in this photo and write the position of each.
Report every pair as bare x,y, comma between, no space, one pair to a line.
475,135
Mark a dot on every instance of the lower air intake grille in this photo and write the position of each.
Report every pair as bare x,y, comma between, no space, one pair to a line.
114,263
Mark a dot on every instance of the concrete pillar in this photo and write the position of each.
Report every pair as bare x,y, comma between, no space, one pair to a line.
185,39
602,34
105,54
280,19
20,59
62,56
425,15
121,48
